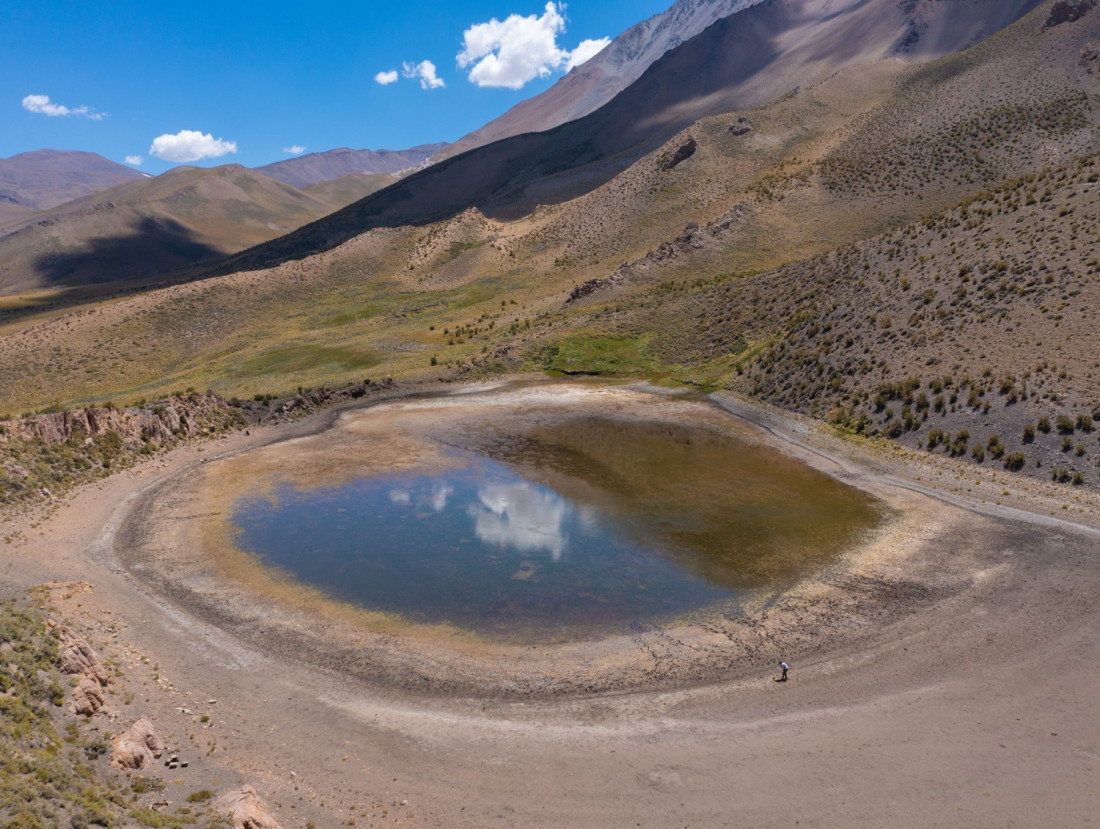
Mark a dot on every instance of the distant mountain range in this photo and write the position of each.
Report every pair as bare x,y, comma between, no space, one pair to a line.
157,225
316,168
71,218
43,179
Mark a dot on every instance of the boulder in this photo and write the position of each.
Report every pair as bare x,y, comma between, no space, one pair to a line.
244,809
136,748
87,698
77,656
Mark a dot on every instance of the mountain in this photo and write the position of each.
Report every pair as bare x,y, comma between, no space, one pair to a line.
11,213
350,188
316,168
151,227
742,61
46,178
592,84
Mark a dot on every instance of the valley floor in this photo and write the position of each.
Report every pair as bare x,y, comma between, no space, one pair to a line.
955,682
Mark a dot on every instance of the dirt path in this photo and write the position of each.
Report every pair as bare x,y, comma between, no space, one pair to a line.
966,694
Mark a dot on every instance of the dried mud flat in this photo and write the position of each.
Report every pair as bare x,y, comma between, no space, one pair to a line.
945,673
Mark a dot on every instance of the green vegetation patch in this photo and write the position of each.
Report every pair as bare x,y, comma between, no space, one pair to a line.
305,357
599,355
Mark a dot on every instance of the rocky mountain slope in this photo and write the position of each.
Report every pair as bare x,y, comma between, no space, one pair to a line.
742,61
46,178
591,85
315,168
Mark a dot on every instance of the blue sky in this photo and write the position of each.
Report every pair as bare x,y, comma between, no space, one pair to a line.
272,78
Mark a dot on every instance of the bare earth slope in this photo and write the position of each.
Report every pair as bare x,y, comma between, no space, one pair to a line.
47,178
744,60
350,188
12,213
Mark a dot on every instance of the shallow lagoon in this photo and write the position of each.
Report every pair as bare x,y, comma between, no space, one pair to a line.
574,528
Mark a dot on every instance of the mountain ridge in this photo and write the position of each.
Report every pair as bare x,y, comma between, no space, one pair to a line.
41,179
319,167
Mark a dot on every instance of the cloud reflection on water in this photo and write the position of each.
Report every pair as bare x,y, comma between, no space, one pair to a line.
521,516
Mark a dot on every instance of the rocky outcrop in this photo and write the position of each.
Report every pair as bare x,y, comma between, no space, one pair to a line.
164,422
693,239
1066,11
88,698
309,401
244,809
136,748
680,154
77,658
743,126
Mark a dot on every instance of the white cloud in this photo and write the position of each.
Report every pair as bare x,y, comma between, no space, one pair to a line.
294,149
515,51
190,145
44,106
386,78
521,517
425,72
587,50
134,160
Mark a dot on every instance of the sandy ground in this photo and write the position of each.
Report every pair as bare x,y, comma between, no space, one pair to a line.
947,677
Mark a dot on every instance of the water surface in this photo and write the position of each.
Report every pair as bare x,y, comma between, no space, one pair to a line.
579,529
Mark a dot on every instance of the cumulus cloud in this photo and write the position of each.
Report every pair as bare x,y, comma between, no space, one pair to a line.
512,52
386,78
42,105
190,145
424,72
134,160
294,149
587,50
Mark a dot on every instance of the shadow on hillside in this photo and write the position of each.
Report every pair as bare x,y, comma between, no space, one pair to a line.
153,248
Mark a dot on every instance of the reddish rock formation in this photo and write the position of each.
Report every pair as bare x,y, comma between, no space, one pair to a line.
77,657
136,748
87,698
164,422
244,809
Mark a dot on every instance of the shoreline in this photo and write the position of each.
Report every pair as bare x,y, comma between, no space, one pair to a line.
979,648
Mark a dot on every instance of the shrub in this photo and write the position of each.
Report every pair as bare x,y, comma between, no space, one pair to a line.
1029,433
996,448
1015,461
1065,425
978,453
1044,424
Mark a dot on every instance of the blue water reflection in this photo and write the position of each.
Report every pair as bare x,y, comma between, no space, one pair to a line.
478,546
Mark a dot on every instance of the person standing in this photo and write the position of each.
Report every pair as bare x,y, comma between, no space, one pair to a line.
783,666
